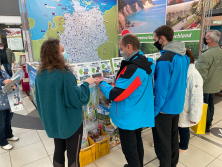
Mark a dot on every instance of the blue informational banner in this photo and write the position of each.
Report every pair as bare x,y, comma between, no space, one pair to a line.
32,75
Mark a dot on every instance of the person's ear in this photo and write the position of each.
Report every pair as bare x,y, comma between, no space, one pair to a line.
162,39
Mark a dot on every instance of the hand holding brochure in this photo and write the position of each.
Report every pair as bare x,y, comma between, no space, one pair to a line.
7,88
15,100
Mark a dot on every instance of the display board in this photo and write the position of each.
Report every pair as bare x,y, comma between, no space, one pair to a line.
142,17
14,38
32,75
87,29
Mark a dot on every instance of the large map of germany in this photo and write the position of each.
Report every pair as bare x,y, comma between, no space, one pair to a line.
87,29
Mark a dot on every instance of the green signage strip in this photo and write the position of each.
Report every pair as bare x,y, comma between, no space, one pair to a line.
190,35
216,22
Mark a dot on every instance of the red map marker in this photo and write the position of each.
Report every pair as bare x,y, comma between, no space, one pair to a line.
124,32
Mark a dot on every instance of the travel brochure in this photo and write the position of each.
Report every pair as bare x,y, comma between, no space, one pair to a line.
96,69
116,64
90,110
15,100
104,119
106,68
153,56
7,88
13,95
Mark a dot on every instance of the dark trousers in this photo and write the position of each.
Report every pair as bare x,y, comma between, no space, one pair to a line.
184,138
73,146
8,69
209,99
5,127
132,146
165,135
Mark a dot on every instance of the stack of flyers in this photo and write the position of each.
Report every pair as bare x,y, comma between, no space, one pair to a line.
20,73
15,100
82,71
106,68
152,56
116,64
95,69
7,88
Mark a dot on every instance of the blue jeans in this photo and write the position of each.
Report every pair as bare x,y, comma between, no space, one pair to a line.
5,127
8,69
184,138
209,99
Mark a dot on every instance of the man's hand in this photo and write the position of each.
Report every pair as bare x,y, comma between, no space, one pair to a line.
98,81
7,82
193,122
13,87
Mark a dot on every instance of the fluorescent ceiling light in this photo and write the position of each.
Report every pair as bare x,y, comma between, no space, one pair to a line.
10,20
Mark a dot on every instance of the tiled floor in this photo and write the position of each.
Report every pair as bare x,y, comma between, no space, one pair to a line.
35,149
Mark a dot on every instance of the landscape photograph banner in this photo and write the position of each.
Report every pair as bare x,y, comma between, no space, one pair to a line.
142,17
139,16
184,14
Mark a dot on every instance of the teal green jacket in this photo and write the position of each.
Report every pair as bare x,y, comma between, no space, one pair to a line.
59,102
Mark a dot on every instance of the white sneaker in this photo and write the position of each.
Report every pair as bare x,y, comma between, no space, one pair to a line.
13,139
8,147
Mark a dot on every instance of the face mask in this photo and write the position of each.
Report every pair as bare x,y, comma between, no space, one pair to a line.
65,55
123,54
1,48
158,45
205,41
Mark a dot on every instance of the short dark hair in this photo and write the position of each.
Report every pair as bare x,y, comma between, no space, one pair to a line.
1,44
190,54
165,31
132,40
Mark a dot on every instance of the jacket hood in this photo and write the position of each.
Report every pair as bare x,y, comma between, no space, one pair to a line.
140,60
176,47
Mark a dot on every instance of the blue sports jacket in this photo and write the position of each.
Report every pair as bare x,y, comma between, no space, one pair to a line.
132,105
171,79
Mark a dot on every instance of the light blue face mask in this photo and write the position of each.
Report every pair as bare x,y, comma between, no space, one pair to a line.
65,55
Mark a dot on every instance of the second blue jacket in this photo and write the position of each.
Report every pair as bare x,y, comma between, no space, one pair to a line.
132,104
171,79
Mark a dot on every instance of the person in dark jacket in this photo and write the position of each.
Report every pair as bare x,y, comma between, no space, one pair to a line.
132,106
170,87
60,101
7,57
5,114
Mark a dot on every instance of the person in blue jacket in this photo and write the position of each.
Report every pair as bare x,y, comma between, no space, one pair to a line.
132,99
6,115
170,87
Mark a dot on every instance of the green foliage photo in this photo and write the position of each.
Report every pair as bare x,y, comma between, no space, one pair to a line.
148,48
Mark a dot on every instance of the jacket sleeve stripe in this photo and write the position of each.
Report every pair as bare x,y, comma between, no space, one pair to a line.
127,92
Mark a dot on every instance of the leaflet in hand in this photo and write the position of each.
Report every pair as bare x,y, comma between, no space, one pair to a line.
7,88
15,100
